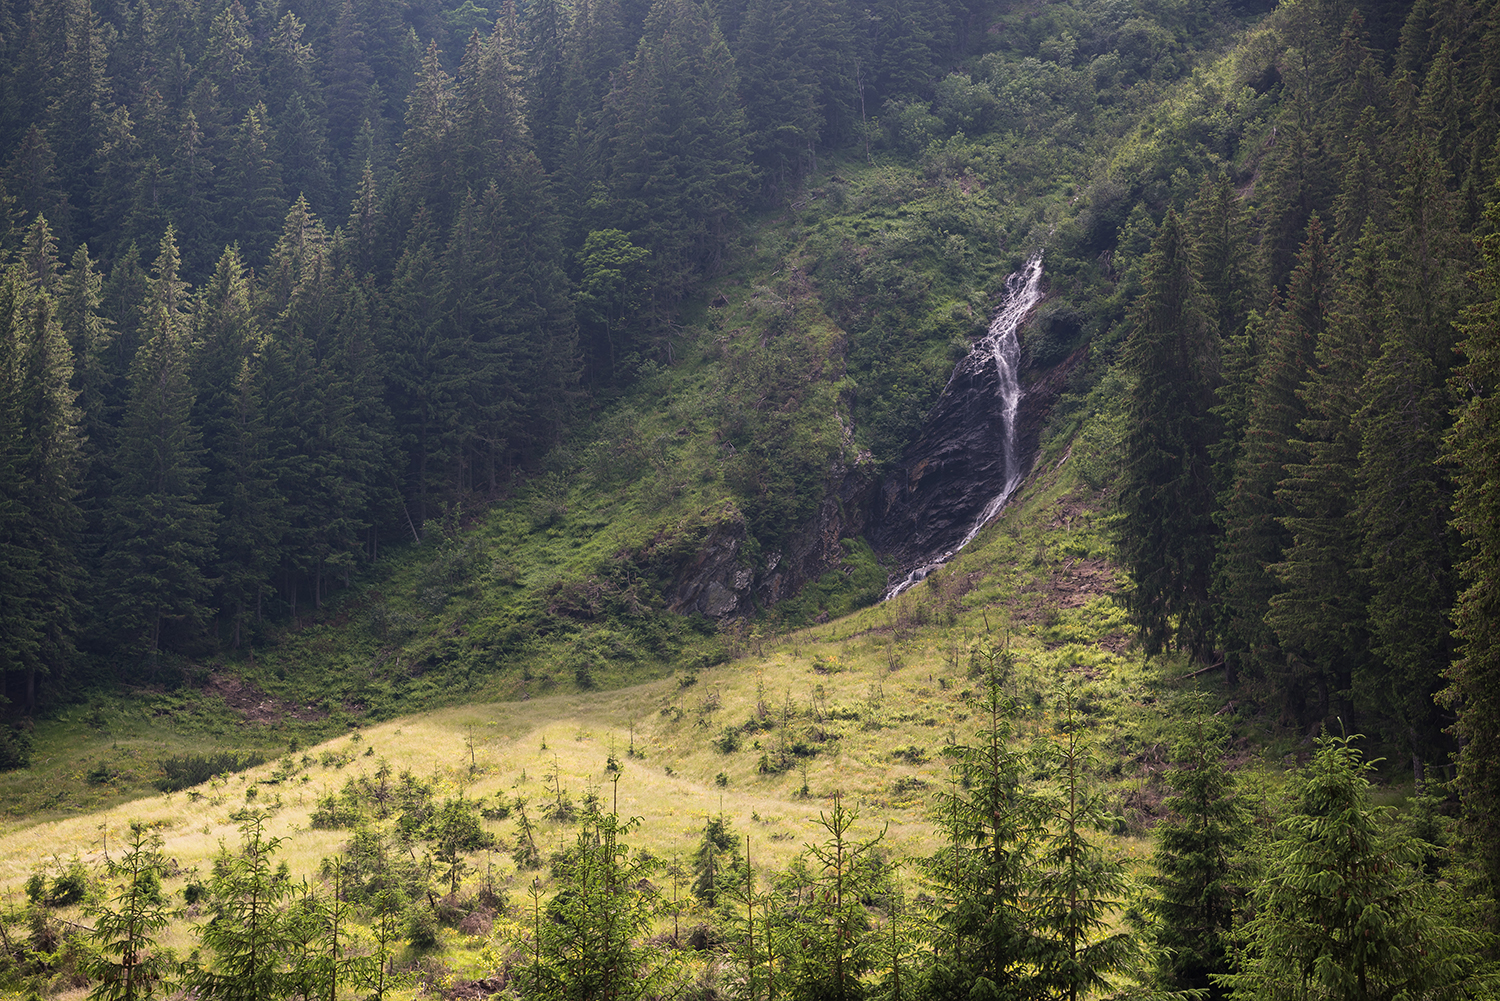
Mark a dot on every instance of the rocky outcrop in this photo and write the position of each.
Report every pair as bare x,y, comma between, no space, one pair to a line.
722,583
815,550
715,582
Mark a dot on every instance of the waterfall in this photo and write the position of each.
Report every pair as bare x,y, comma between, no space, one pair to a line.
1002,344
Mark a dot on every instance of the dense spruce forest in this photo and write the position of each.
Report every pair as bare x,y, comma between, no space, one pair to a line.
563,302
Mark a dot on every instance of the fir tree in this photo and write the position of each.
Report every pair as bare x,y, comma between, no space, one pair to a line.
250,197
1079,886
160,531
128,965
1196,881
1167,536
230,411
20,569
982,937
247,934
50,470
1318,609
1474,676
1255,536
1345,911
782,119
591,944
1403,497
678,165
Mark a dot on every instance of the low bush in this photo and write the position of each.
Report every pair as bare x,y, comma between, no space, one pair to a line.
183,771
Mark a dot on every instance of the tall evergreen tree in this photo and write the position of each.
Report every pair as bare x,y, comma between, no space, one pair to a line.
1255,535
425,373
128,966
1473,449
1080,885
250,188
1194,856
679,170
1403,496
1318,609
229,409
426,159
160,531
1168,536
50,470
983,943
778,79
247,934
1346,912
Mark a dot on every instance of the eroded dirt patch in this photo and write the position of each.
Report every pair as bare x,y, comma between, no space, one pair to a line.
255,705
1080,581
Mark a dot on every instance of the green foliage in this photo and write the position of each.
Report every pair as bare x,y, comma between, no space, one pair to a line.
15,748
1197,881
454,830
183,771
247,935
858,582
592,942
716,862
129,965
69,884
1167,535
1475,674
1345,910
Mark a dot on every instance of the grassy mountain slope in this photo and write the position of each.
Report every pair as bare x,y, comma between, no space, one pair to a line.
860,705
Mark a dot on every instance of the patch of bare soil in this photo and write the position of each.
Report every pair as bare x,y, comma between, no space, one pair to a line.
255,705
1078,582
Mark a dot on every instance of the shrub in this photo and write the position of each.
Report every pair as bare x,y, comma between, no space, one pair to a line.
184,770
15,748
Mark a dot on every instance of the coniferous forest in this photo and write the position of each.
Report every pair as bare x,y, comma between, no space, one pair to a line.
438,354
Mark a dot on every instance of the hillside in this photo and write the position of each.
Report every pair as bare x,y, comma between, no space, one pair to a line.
435,423
859,707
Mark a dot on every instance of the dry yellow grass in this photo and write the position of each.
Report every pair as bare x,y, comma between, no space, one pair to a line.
671,786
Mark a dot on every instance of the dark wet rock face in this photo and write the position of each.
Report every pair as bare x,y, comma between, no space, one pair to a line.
976,447
956,465
951,471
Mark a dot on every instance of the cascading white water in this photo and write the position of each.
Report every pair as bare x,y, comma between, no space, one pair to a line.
1023,290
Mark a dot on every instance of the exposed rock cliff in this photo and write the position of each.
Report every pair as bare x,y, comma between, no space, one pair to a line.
957,463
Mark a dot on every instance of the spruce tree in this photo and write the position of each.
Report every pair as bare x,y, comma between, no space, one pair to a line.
229,409
1403,496
89,333
20,562
250,195
246,935
1255,535
679,168
782,118
1318,609
1473,450
50,470
1167,535
1346,912
982,939
128,966
836,947
1197,887
1079,885
591,943
160,531
423,369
